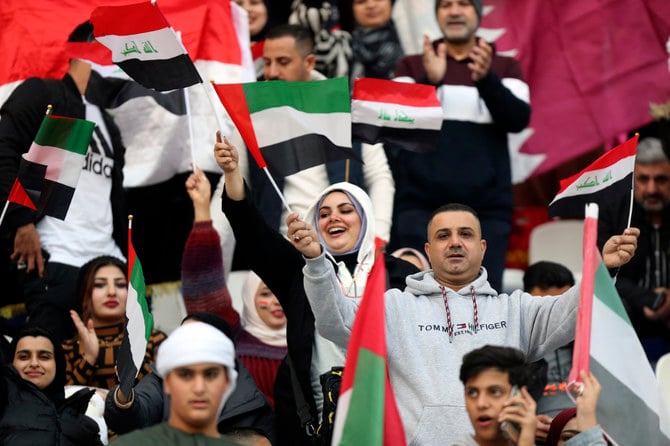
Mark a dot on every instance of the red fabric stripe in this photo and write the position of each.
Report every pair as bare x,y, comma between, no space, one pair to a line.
392,92
612,157
233,99
127,20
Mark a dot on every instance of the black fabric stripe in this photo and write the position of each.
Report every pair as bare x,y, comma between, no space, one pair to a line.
623,415
55,199
415,140
163,75
172,101
294,155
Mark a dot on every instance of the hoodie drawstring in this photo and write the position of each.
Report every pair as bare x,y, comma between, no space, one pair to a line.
450,325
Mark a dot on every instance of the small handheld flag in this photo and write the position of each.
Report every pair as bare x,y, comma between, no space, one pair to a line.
401,114
291,126
139,322
49,171
144,45
367,412
608,176
630,406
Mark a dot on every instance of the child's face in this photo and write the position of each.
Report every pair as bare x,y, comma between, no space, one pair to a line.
485,395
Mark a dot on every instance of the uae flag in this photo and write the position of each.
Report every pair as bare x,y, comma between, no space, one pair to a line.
609,176
631,409
366,411
49,172
400,114
139,323
144,45
291,126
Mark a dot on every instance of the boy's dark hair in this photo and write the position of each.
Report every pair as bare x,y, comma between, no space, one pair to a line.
304,38
504,359
546,274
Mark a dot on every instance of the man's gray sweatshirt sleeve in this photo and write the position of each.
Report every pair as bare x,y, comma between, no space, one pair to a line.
334,313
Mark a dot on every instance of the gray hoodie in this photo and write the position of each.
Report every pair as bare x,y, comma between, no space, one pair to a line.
423,363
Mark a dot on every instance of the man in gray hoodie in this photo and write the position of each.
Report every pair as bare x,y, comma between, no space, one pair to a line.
442,314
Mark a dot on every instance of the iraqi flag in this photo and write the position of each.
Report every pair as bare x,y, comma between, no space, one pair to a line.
291,126
139,323
366,410
630,409
144,45
401,114
49,171
609,176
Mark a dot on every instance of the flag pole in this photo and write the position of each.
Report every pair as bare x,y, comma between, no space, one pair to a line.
632,193
208,93
189,117
4,211
274,184
130,237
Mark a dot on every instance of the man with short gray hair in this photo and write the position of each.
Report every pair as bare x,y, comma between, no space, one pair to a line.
644,283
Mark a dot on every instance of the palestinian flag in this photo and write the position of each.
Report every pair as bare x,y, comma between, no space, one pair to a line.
291,126
139,323
49,172
609,176
401,114
144,45
366,411
630,408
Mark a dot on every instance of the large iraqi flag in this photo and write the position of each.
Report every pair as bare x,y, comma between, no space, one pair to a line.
291,126
57,157
609,176
631,409
400,114
366,412
154,126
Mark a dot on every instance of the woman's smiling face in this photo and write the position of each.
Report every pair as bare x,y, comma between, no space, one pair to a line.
339,223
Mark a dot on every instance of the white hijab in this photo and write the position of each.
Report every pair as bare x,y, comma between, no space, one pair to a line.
252,322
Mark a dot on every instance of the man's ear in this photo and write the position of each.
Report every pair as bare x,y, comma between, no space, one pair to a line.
310,62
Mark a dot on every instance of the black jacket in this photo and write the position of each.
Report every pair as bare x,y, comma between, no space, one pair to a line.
21,116
28,417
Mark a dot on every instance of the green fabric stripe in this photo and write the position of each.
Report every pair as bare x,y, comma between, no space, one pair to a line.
604,290
137,282
326,96
67,134
365,418
623,415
